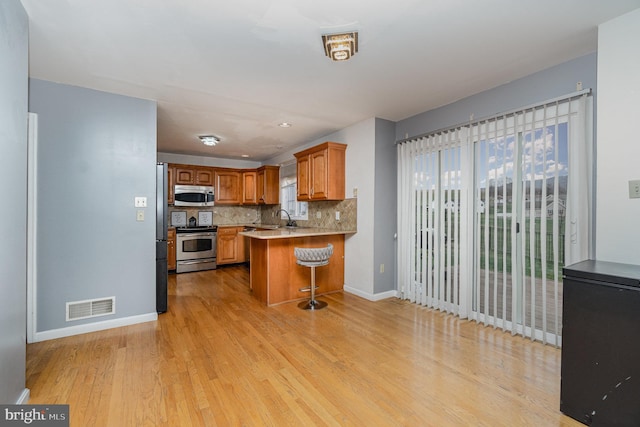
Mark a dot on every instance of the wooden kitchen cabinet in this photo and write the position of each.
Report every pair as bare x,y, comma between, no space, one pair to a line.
171,248
249,189
193,175
232,186
261,186
321,172
184,174
268,185
204,176
228,186
230,245
171,174
242,241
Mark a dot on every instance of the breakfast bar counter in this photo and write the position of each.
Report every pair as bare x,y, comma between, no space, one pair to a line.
277,278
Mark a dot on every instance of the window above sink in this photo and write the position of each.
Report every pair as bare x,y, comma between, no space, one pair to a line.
288,194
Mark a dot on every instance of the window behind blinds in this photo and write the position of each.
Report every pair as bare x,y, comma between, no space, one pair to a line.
289,191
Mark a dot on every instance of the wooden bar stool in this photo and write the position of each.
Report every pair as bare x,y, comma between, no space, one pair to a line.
312,258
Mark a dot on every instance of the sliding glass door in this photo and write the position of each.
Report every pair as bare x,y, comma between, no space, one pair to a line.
490,212
432,213
520,199
437,225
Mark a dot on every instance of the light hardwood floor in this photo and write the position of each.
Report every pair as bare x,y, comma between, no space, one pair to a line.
219,357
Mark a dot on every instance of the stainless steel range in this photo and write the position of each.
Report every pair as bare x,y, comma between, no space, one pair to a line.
196,248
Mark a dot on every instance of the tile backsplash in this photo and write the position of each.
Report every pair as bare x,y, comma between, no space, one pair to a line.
223,215
321,214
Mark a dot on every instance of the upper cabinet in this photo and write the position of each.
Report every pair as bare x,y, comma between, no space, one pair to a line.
321,172
228,186
232,186
249,190
193,175
261,186
268,185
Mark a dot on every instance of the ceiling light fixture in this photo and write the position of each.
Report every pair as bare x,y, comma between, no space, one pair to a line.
209,140
340,47
285,125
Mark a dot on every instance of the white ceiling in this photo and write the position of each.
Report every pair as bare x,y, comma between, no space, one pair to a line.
236,69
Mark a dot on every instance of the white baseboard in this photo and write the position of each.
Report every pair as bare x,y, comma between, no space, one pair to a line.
369,296
94,327
24,397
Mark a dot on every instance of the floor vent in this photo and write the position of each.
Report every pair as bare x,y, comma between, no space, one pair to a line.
91,308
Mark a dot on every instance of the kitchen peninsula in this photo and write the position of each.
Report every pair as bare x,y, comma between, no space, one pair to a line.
275,276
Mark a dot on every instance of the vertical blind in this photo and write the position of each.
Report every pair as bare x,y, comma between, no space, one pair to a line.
489,212
433,190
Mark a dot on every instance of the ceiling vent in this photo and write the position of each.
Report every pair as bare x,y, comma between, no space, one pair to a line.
91,308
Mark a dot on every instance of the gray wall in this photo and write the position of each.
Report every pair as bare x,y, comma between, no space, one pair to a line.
96,152
541,86
385,210
14,31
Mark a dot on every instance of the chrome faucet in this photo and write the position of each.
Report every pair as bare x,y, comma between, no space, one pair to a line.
290,223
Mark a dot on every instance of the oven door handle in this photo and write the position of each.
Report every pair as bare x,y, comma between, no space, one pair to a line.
192,235
197,261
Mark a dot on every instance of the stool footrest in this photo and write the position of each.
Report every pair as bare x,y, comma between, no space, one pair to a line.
312,305
308,289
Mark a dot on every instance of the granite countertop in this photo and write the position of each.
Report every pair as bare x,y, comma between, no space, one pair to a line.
287,233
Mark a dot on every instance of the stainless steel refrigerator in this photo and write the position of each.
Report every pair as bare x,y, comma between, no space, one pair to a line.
161,237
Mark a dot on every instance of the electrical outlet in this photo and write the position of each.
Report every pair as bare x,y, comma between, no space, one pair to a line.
634,189
140,215
337,215
140,202
319,215
355,192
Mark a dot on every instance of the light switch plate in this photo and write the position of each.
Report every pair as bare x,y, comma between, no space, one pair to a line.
140,216
634,189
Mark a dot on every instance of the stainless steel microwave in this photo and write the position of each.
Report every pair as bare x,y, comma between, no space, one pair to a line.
193,195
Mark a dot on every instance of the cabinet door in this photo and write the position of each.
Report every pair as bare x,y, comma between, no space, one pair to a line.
227,245
185,175
227,186
318,175
204,176
303,178
242,241
260,179
269,185
249,188
171,249
171,174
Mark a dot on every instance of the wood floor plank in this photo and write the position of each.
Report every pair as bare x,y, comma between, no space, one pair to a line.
219,357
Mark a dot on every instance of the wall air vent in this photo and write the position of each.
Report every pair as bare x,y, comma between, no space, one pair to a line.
91,308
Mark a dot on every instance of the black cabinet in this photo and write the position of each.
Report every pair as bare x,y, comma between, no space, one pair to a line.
600,383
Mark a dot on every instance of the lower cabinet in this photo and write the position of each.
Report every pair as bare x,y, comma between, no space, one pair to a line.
230,245
171,249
